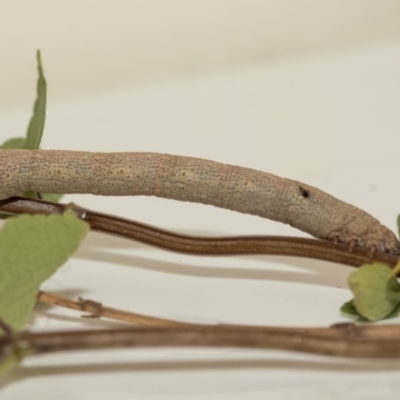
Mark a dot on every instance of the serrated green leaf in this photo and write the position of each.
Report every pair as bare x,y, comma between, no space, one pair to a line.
32,248
36,124
376,291
14,143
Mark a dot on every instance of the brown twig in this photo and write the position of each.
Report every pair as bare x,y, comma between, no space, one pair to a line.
346,340
343,340
96,310
274,245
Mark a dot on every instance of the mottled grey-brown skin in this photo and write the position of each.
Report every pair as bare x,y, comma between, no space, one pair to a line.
191,179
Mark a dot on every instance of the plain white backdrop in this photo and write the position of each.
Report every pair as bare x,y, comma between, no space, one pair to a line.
91,46
329,119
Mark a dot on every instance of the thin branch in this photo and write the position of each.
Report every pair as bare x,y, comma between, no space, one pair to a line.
97,310
274,245
347,340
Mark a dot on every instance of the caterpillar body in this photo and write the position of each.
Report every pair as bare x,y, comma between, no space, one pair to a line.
196,180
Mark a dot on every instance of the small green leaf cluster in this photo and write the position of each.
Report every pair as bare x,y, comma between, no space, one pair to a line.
32,248
376,292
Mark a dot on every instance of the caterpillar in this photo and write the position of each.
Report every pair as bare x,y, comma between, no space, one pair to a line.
195,180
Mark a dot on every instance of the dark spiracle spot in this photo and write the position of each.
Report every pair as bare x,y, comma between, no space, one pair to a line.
304,193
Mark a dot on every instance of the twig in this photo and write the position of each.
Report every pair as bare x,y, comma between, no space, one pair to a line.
274,245
97,310
346,340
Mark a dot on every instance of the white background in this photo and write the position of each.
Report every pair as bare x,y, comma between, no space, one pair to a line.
330,119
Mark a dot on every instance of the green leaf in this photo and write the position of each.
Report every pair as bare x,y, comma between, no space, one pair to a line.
36,125
30,195
35,131
394,313
349,308
376,291
14,143
11,359
31,250
8,362
54,197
